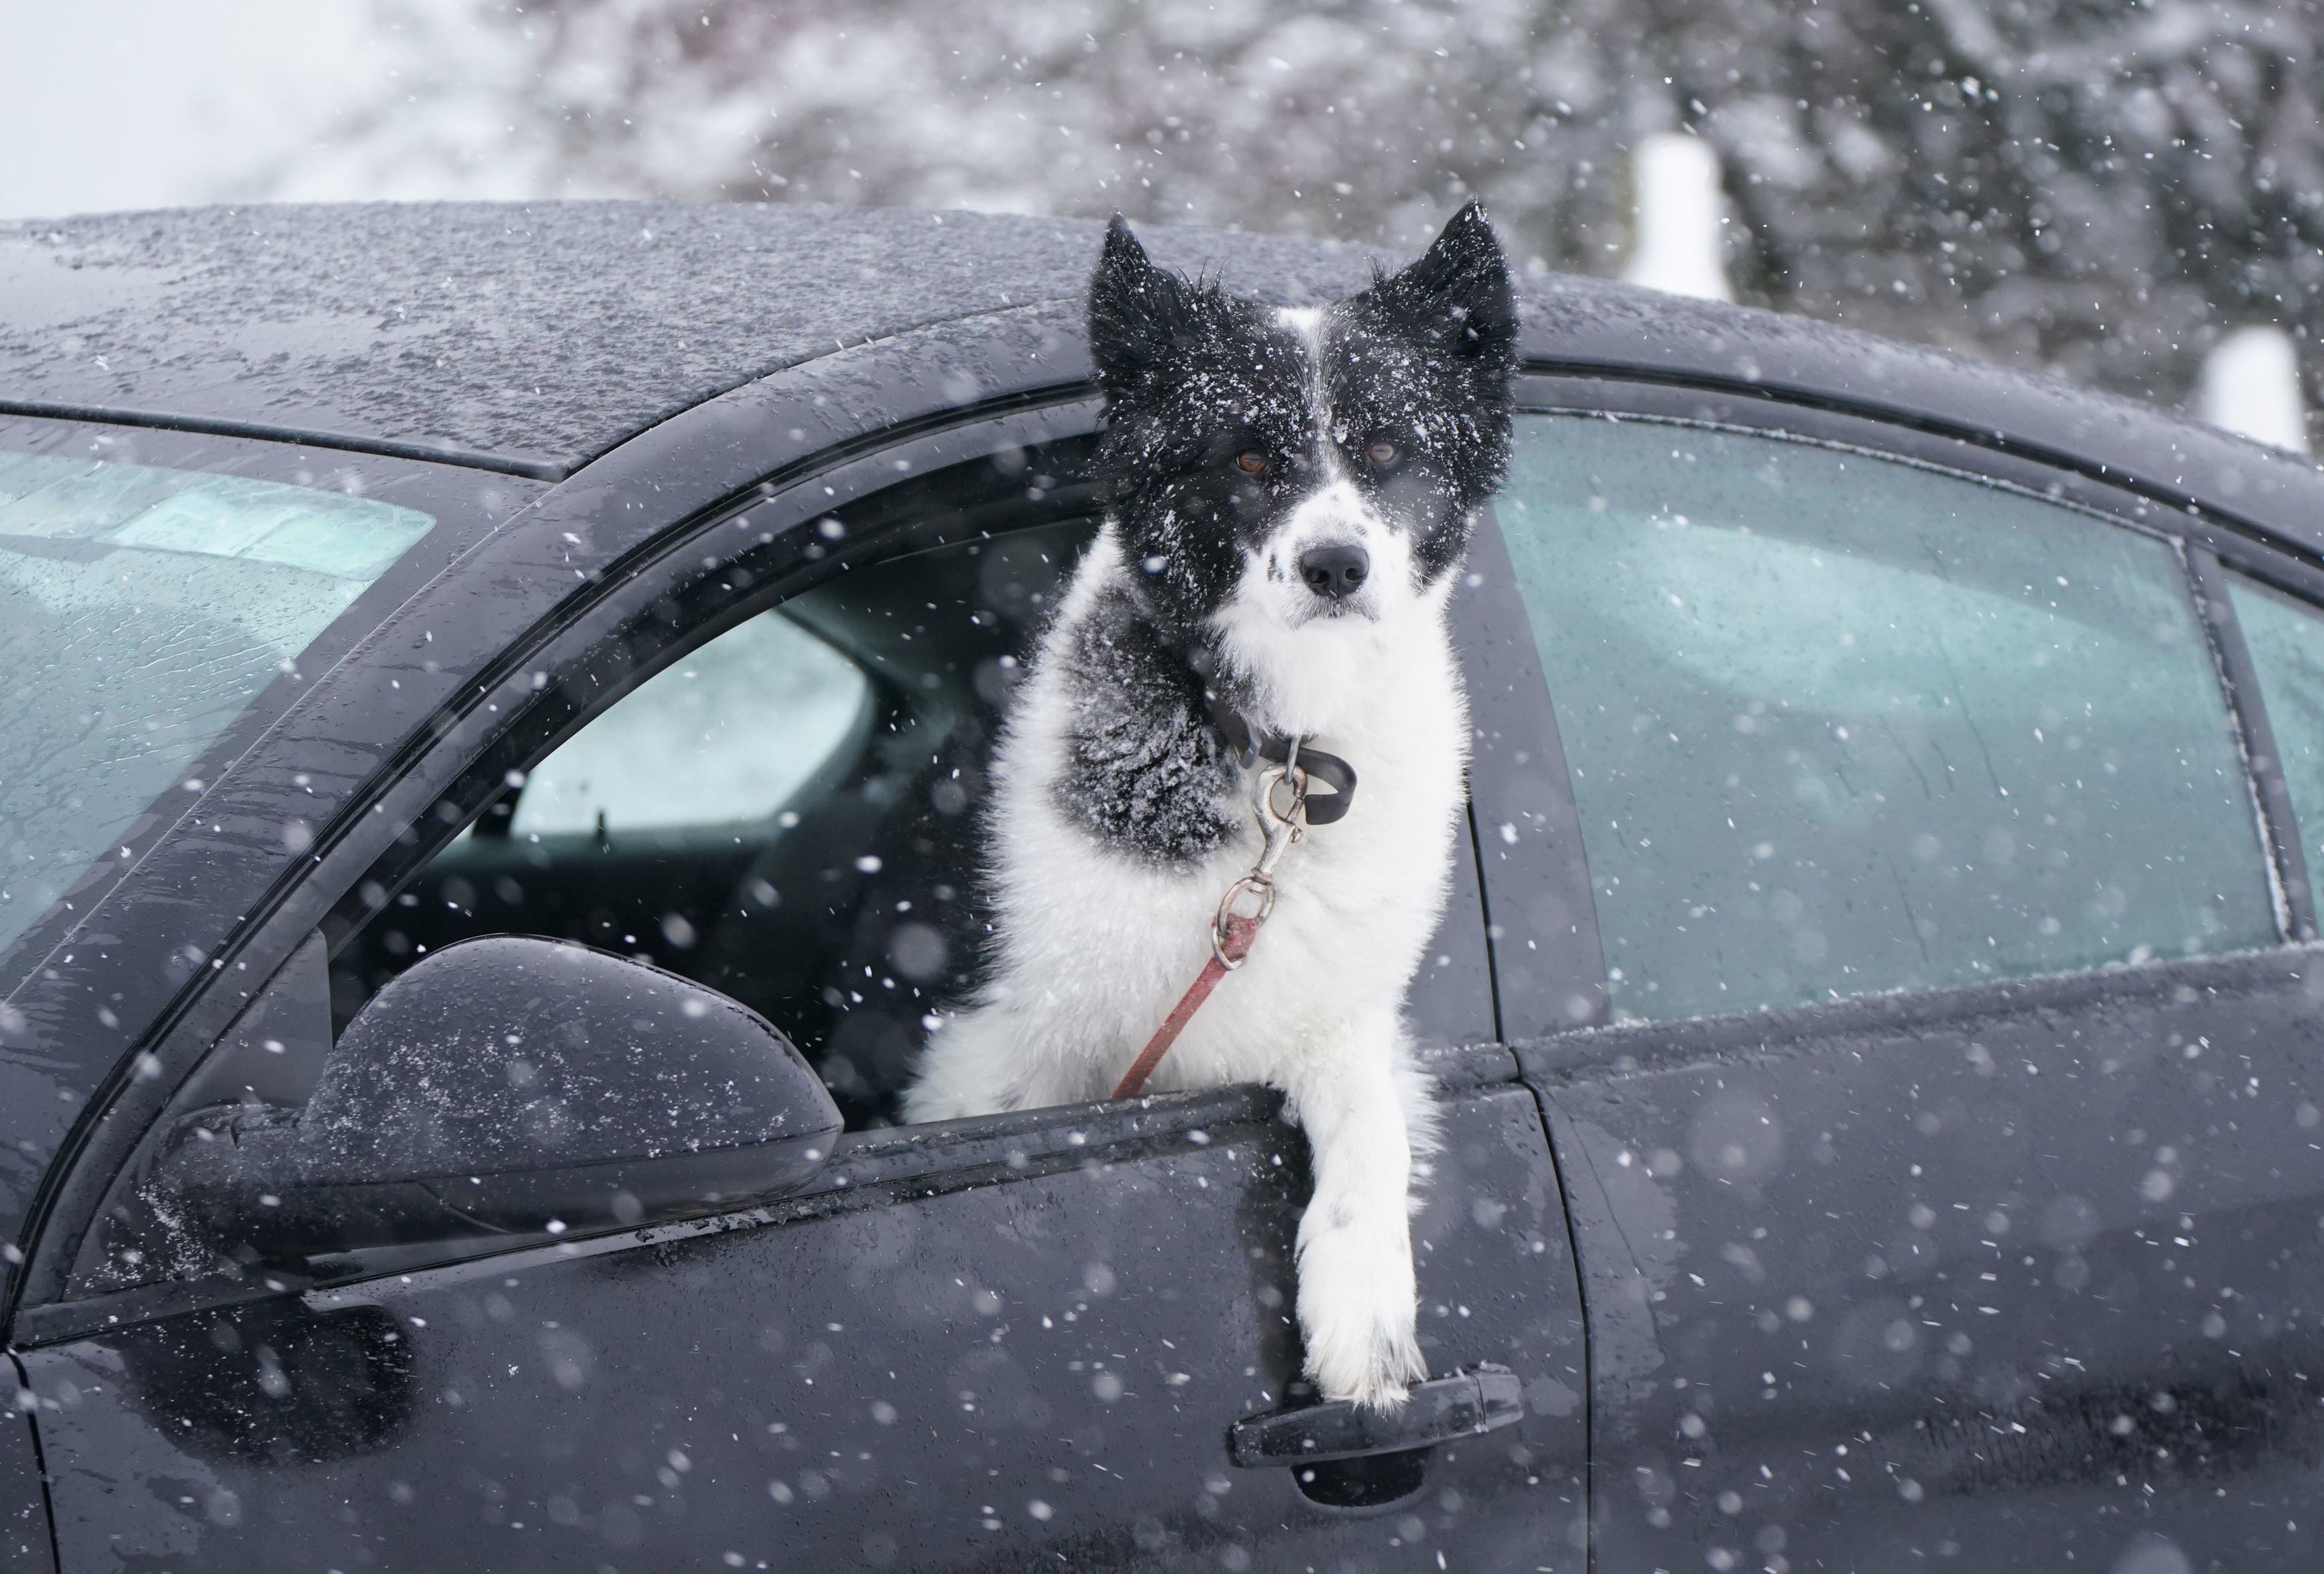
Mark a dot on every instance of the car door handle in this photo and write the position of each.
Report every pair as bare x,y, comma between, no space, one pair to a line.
1482,1399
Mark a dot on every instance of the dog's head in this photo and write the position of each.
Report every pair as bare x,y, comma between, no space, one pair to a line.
1296,487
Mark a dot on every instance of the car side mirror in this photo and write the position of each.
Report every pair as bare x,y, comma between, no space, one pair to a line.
509,1086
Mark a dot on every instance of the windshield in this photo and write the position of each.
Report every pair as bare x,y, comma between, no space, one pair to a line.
140,609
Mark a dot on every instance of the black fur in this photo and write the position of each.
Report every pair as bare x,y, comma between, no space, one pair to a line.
1149,774
1193,377
1429,351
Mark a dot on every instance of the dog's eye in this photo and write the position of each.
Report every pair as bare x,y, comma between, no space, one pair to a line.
1382,452
1250,460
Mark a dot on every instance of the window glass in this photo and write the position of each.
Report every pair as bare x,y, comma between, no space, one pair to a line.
1838,725
728,734
140,609
2286,642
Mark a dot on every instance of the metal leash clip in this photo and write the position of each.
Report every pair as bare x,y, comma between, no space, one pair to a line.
1281,828
1232,932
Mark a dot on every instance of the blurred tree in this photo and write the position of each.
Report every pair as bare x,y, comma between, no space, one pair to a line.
2096,187
2100,188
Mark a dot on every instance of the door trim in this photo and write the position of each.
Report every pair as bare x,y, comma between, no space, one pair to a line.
867,1169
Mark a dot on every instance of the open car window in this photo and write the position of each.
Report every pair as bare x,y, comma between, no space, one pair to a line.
786,813
775,794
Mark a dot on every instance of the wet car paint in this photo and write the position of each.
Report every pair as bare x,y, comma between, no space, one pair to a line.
1039,1362
2022,1275
26,1546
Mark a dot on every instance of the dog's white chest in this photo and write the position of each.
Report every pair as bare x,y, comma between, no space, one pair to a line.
1095,945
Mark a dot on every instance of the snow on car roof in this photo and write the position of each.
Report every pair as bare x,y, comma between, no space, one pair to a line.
544,332
535,336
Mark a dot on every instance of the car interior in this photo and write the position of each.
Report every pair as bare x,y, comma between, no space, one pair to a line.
785,814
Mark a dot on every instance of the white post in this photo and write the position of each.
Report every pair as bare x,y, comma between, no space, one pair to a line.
2251,384
1679,214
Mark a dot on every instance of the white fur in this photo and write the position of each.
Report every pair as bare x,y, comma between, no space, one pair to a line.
1096,946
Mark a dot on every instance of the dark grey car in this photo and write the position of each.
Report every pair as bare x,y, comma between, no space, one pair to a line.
1875,1018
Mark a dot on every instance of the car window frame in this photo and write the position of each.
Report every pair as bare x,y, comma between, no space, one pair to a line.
881,523
555,681
537,691
2208,544
420,675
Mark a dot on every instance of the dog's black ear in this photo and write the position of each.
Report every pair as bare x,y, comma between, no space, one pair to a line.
1137,311
1457,295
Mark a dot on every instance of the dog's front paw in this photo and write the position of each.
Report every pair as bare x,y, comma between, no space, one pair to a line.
1358,1306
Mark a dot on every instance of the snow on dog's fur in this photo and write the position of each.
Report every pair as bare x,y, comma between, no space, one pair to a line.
1255,457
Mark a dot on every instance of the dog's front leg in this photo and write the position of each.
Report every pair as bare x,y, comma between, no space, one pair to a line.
1358,1300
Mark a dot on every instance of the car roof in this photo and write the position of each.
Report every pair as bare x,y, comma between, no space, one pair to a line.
533,338
542,333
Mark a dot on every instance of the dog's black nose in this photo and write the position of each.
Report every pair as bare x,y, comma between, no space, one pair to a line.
1334,571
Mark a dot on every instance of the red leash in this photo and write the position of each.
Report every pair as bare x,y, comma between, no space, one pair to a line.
1240,933
1231,933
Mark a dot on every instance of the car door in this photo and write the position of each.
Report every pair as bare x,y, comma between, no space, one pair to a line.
988,1344
24,1543
1946,1173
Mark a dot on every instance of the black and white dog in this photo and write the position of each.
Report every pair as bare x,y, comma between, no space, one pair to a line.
1292,491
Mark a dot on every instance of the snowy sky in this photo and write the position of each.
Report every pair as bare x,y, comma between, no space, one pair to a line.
120,104
106,104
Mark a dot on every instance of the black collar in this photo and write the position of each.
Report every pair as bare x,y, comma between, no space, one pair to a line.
1254,744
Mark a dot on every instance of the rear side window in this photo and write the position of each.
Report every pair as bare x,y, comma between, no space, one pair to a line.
1839,725
724,737
2286,640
